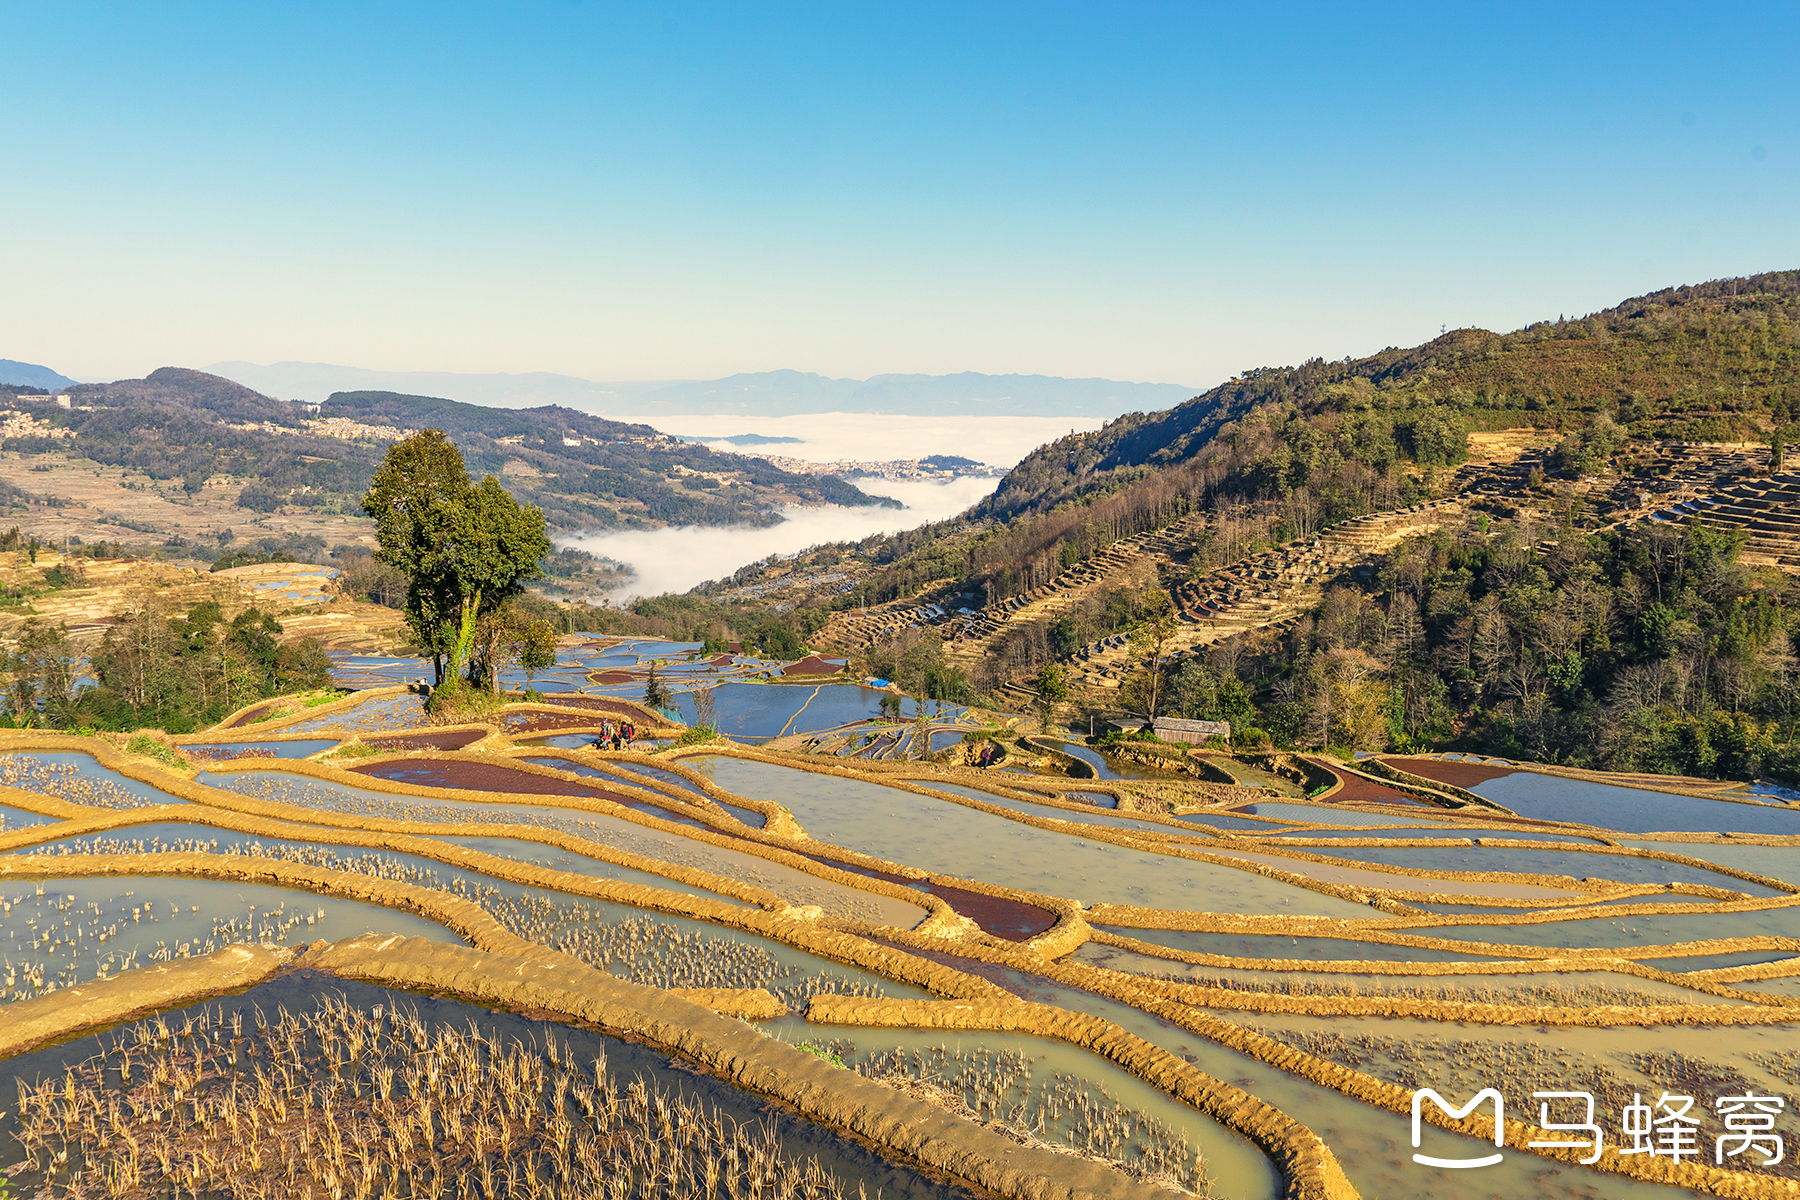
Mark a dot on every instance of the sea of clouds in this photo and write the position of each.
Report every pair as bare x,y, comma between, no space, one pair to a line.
676,559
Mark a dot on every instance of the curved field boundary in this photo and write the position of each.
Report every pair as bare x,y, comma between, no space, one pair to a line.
1530,960
464,918
1472,1012
1163,844
1070,931
1307,1165
1397,922
742,842
698,802
1508,960
235,721
141,992
44,806
1061,939
902,1127
794,927
473,923
1737,1185
777,820
416,838
1678,785
1436,791
1079,768
650,723
540,983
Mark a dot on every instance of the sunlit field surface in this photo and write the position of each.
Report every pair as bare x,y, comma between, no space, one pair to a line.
1202,988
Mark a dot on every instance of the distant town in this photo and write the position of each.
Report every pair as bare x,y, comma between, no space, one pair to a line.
934,467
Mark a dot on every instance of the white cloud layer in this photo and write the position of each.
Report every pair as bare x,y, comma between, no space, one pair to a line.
675,559
831,437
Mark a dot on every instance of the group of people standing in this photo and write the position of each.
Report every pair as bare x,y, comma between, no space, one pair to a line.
615,735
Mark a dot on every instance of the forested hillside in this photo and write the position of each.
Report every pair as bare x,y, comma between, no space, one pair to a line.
589,472
1652,649
584,471
1297,448
1711,362
1557,602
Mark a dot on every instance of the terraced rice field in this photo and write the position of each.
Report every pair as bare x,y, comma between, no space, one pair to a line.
842,975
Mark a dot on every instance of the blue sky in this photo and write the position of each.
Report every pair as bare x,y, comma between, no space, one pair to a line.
1165,193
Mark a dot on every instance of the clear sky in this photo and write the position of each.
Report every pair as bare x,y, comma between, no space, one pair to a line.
1164,193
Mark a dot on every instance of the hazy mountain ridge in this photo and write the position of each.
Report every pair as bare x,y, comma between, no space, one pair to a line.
763,393
278,456
32,375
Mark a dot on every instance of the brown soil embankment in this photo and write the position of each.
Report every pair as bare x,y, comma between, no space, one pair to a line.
1739,1185
417,838
474,923
747,1004
1610,1016
138,993
748,841
1506,960
777,821
285,709
465,918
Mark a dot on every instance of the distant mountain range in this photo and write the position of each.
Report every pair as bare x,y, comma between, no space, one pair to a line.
242,456
746,439
763,393
31,375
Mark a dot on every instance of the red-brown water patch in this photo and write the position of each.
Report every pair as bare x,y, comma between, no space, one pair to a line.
610,678
1357,790
254,714
1456,774
599,704
544,722
447,739
1013,920
477,777
812,664
492,777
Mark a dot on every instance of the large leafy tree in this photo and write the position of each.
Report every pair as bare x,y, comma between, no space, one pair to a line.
465,548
